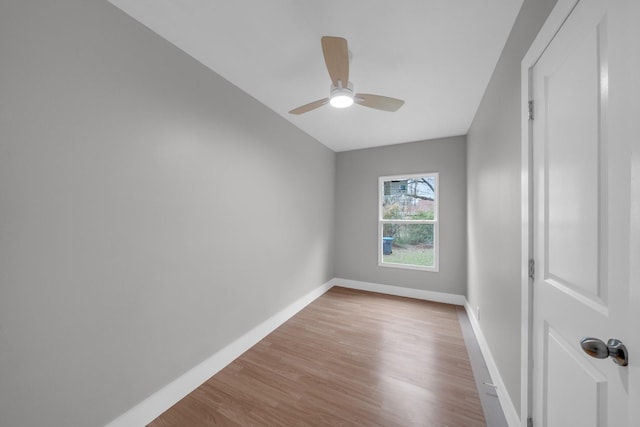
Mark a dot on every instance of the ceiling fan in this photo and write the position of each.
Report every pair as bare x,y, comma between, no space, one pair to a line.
336,57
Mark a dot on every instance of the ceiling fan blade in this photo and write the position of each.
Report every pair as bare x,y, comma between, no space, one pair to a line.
310,106
336,56
378,102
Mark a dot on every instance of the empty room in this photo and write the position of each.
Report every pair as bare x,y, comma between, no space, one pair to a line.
329,213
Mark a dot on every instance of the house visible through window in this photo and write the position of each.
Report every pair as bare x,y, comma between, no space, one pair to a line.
408,221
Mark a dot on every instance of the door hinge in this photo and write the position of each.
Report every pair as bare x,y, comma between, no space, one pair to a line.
529,422
531,110
532,269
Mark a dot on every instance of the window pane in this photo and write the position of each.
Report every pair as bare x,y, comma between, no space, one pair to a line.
412,198
411,244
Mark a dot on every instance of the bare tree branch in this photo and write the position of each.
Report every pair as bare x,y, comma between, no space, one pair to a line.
417,196
428,183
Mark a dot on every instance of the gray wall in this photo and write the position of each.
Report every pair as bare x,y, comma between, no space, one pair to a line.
493,185
357,175
150,213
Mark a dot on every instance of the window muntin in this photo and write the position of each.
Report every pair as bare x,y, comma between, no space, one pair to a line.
408,221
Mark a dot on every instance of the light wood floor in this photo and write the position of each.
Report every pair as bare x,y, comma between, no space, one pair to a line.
350,358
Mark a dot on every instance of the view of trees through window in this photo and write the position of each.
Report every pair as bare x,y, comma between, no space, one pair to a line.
409,221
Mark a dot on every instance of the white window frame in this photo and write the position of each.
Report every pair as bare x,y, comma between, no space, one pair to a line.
434,221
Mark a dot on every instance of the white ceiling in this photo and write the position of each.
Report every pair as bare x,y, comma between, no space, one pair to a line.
437,55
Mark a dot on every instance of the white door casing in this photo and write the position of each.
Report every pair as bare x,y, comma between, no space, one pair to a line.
577,73
633,113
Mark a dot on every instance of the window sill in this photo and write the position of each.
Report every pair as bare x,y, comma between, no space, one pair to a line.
408,267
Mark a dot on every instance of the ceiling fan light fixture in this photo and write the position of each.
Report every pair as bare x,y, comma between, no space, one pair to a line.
341,97
341,101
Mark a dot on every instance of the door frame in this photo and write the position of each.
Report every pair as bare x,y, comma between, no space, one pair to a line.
554,22
633,343
552,25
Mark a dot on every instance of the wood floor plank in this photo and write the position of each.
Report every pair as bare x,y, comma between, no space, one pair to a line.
350,358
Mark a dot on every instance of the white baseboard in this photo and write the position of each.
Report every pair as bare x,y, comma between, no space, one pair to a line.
510,412
401,292
150,408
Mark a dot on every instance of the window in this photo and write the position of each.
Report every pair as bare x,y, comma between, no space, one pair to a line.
408,221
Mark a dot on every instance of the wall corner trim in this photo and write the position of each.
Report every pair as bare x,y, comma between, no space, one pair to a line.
153,406
510,412
401,291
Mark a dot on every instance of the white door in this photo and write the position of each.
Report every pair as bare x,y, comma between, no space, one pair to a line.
581,217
